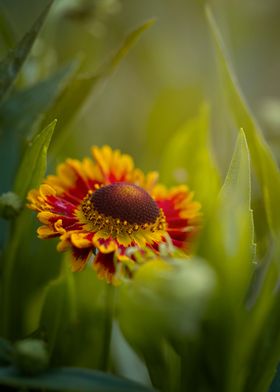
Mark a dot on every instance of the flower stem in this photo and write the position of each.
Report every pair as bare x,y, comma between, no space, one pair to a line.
108,323
8,270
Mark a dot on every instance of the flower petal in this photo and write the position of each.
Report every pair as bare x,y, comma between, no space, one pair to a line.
45,232
82,240
115,167
79,258
105,267
102,241
180,211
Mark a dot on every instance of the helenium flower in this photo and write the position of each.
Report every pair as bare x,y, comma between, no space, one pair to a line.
109,205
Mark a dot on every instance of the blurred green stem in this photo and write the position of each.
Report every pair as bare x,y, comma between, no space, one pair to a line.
108,323
8,268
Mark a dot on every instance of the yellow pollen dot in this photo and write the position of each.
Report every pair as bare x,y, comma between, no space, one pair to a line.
125,223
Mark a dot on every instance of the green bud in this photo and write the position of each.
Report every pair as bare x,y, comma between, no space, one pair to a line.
10,205
6,352
165,298
31,356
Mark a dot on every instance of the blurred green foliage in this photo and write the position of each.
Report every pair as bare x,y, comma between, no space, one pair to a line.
209,322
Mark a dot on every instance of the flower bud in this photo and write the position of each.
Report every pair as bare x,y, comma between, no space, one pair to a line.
166,298
10,205
31,356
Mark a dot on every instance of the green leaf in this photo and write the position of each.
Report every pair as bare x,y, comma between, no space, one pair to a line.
110,66
24,108
11,65
76,93
262,159
30,173
70,379
187,158
229,241
33,166
21,116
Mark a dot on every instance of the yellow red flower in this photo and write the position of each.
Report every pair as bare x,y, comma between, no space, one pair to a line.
106,205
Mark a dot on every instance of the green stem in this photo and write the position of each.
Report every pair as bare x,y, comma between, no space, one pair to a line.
9,260
108,323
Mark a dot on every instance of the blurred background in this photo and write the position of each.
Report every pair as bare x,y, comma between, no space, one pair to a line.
162,81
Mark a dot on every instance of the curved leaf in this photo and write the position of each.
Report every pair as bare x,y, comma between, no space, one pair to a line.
70,379
262,159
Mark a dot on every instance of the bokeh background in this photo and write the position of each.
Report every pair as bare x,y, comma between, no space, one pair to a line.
162,80
160,85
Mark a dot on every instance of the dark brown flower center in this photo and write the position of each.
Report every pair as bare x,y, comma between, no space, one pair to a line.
127,202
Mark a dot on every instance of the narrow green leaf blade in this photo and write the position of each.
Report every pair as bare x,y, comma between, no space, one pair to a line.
237,184
128,43
21,116
262,159
11,65
33,166
21,110
70,379
228,240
